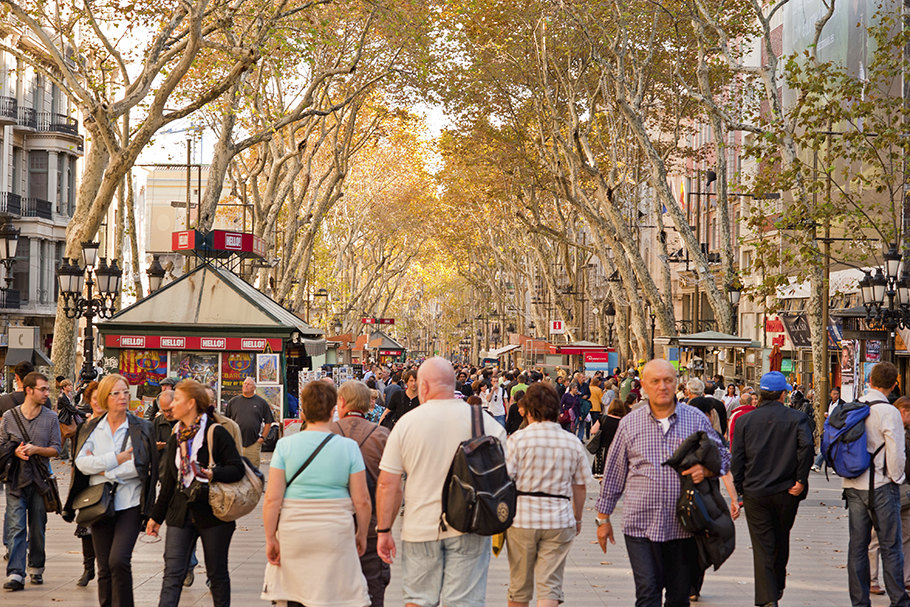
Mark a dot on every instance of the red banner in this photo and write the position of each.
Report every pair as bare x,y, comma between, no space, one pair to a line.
168,342
597,357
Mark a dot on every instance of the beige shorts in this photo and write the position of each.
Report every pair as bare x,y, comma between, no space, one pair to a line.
537,555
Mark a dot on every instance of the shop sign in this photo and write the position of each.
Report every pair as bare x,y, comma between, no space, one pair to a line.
169,342
186,240
774,325
597,357
389,352
368,321
798,330
386,321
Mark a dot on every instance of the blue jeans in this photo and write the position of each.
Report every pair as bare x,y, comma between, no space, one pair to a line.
819,459
450,572
501,419
26,521
659,565
886,505
580,429
179,543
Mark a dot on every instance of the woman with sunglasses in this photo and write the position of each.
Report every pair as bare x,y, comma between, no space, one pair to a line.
116,447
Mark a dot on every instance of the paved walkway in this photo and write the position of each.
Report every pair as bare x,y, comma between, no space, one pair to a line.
817,572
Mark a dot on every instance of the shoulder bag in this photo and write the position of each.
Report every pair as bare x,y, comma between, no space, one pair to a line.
51,495
230,501
96,503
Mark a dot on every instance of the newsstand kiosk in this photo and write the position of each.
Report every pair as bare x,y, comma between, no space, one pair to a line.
212,326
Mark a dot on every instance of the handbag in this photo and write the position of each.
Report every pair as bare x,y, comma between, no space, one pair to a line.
51,495
230,501
96,503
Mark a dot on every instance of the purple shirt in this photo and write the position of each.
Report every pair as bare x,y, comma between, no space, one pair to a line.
635,461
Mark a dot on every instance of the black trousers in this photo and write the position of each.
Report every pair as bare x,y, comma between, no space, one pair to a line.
179,544
377,572
770,519
88,552
114,540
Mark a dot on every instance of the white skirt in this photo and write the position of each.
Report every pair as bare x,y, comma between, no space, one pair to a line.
319,562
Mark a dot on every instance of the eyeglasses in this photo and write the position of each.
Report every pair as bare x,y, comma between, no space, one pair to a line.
43,389
119,393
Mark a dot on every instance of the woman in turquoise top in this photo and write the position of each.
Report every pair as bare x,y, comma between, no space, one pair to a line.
319,503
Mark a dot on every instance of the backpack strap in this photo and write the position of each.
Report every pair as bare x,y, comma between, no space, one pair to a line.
311,458
19,423
476,421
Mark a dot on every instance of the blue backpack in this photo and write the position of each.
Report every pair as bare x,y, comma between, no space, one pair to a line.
844,440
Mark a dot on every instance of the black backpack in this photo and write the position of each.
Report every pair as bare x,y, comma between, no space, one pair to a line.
478,496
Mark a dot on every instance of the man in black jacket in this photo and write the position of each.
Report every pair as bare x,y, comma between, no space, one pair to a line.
772,487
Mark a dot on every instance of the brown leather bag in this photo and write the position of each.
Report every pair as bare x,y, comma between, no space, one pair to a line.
67,430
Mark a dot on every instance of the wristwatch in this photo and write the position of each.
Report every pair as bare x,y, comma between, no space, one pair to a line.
602,521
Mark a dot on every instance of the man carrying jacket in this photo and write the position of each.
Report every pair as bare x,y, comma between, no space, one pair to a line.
772,487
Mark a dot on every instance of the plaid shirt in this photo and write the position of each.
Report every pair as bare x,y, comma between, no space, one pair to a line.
545,458
636,460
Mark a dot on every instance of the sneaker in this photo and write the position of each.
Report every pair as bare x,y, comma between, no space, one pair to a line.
37,579
189,579
13,585
816,469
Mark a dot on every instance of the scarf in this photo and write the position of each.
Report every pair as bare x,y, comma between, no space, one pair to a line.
188,444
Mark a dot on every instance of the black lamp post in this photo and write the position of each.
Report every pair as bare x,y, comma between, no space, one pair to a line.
610,313
734,292
156,275
886,283
9,244
84,303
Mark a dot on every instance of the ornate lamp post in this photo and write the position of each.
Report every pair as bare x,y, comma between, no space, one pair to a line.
85,302
610,314
156,275
895,312
734,292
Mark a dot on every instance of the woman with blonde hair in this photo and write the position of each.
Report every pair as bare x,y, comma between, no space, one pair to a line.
183,501
317,490
119,448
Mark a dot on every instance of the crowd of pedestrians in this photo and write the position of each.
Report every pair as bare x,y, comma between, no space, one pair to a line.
371,451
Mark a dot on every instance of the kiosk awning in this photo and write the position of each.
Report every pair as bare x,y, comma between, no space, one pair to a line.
503,350
14,356
707,339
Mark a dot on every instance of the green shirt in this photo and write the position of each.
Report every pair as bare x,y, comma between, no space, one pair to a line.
624,388
327,476
516,388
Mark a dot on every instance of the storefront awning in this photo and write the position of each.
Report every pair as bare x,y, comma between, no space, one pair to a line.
503,350
14,356
707,339
576,348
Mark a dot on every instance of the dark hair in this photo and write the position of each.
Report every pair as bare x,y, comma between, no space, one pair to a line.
883,376
541,402
595,382
88,391
371,384
474,400
317,400
767,396
408,375
631,399
477,385
196,391
23,369
519,395
710,388
618,408
31,379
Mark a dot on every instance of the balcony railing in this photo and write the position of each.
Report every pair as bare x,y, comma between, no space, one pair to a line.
9,109
10,204
9,299
35,207
28,118
57,123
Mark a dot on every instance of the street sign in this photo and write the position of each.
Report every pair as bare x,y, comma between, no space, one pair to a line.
386,321
557,327
368,321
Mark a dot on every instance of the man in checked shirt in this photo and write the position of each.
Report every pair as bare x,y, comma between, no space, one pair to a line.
660,552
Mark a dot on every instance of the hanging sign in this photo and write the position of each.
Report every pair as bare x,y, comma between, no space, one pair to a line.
557,327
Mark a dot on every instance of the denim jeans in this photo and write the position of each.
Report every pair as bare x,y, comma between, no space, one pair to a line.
886,505
501,419
580,429
450,572
179,543
659,565
26,521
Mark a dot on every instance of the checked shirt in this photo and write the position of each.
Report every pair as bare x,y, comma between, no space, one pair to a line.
545,458
635,467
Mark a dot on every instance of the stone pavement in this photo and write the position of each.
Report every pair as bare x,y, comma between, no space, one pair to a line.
817,572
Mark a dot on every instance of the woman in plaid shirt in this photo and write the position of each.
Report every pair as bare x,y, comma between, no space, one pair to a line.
550,469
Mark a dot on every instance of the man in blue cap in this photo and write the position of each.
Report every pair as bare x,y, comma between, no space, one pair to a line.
772,487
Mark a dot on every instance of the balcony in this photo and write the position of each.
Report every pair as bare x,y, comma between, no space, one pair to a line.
9,299
28,118
9,113
57,123
10,204
35,207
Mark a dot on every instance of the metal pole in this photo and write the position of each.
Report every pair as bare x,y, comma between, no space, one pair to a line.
88,342
824,382
189,163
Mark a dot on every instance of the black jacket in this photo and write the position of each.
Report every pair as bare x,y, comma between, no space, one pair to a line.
145,455
774,450
174,506
716,538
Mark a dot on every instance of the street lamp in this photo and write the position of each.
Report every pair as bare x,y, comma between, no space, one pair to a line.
886,283
9,243
610,313
734,292
77,302
156,275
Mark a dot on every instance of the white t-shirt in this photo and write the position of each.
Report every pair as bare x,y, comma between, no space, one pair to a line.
496,405
422,444
664,424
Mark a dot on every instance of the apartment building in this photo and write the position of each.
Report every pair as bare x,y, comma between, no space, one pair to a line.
40,152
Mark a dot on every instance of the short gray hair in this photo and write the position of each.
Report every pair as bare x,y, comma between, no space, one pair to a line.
575,385
696,386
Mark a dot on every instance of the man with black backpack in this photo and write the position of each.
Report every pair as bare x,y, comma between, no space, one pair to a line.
422,445
884,437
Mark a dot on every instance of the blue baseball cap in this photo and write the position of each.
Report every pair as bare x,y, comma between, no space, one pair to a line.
774,381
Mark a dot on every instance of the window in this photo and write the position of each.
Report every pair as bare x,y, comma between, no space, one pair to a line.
747,260
55,99
61,171
17,171
21,269
37,175
71,186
